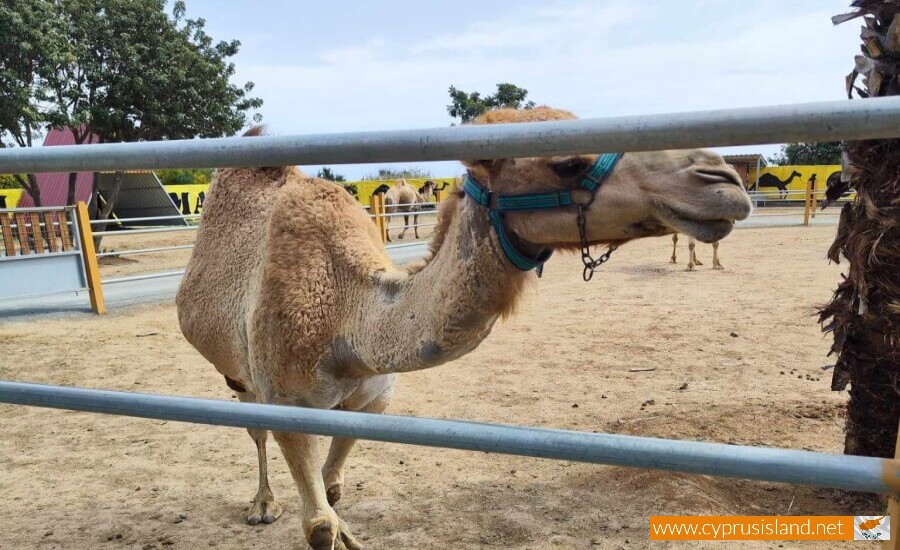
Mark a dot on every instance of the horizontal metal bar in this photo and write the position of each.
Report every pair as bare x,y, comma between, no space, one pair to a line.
147,219
406,245
423,213
123,232
825,121
760,463
144,250
411,204
35,256
36,209
144,277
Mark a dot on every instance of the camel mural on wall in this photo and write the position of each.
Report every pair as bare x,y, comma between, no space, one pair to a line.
771,180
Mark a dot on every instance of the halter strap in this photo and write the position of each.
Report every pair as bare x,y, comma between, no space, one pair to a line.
498,204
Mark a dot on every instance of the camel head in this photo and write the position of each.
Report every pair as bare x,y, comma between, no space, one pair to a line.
641,195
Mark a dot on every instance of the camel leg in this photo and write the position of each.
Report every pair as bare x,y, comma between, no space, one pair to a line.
692,254
323,528
405,226
333,471
716,263
416,224
264,508
674,247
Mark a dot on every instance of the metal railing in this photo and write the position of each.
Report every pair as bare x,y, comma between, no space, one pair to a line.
695,457
824,121
830,121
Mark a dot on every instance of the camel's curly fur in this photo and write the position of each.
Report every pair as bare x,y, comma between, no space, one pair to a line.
292,297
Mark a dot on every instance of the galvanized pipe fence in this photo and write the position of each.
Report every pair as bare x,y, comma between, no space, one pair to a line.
828,121
717,459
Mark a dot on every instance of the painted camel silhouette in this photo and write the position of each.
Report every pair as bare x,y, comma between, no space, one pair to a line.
771,180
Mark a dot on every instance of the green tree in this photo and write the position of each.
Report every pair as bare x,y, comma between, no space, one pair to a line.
327,173
10,181
398,173
193,176
467,106
136,73
808,152
32,42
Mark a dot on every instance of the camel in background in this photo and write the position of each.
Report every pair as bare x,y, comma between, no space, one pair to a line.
291,295
692,254
402,197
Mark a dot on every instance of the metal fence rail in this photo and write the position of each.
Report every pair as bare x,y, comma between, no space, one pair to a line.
760,463
825,121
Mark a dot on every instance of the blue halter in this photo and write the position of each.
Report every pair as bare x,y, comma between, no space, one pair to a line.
500,204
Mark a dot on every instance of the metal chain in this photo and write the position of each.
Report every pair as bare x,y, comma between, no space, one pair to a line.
590,264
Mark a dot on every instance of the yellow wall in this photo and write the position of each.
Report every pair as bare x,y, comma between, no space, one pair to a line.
798,183
363,189
11,197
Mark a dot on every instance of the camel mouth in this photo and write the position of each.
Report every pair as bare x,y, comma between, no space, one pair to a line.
707,230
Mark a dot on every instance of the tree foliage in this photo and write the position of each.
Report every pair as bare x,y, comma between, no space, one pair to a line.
114,71
200,176
808,152
398,173
467,106
31,44
327,173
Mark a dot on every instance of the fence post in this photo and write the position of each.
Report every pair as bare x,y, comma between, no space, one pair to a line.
807,204
378,211
89,255
894,509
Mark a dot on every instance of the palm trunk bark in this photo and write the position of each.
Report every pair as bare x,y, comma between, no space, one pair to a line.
864,314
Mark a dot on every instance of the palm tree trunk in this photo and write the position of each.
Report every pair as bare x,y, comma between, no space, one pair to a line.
864,314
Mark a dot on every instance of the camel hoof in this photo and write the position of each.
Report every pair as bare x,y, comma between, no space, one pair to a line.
719,267
264,512
334,494
324,536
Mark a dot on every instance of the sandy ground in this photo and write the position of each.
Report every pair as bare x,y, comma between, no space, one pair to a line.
737,357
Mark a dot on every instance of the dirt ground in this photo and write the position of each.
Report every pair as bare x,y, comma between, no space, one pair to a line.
737,354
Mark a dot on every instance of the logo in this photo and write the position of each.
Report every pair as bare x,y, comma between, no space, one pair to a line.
871,527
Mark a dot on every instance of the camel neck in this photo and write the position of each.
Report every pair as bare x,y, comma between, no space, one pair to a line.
447,308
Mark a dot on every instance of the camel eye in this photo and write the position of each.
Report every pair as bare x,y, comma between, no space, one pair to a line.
570,167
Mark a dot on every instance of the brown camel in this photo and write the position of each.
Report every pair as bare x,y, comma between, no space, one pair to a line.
290,293
692,259
402,197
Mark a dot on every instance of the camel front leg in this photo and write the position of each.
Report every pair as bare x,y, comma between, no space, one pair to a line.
416,225
674,247
716,263
333,471
323,528
264,509
692,254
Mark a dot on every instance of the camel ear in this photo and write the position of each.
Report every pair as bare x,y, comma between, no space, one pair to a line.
482,170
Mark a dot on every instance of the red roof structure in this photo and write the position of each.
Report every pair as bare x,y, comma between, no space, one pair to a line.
55,186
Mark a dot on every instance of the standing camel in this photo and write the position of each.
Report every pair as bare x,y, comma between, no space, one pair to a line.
402,197
692,259
290,293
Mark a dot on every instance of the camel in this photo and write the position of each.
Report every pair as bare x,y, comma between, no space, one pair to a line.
403,197
429,190
292,297
835,189
771,180
692,254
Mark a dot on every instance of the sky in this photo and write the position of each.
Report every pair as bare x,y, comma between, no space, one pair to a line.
336,66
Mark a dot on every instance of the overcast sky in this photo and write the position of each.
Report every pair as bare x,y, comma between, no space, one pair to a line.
332,66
